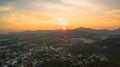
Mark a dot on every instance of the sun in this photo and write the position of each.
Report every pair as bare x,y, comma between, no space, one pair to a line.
63,23
64,28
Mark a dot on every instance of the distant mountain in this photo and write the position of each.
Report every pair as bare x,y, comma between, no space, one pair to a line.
78,32
101,31
116,32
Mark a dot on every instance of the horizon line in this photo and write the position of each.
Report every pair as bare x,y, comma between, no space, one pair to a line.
6,32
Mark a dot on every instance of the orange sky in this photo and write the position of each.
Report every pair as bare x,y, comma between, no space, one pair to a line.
21,15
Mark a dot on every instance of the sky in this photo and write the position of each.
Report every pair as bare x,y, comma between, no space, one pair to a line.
21,15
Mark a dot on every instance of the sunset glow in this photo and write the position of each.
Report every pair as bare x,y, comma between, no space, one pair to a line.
64,28
20,15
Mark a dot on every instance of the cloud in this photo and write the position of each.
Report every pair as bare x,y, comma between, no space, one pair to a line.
2,2
110,19
53,1
5,7
113,4
116,11
41,12
112,14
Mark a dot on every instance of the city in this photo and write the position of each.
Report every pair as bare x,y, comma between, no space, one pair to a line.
59,49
